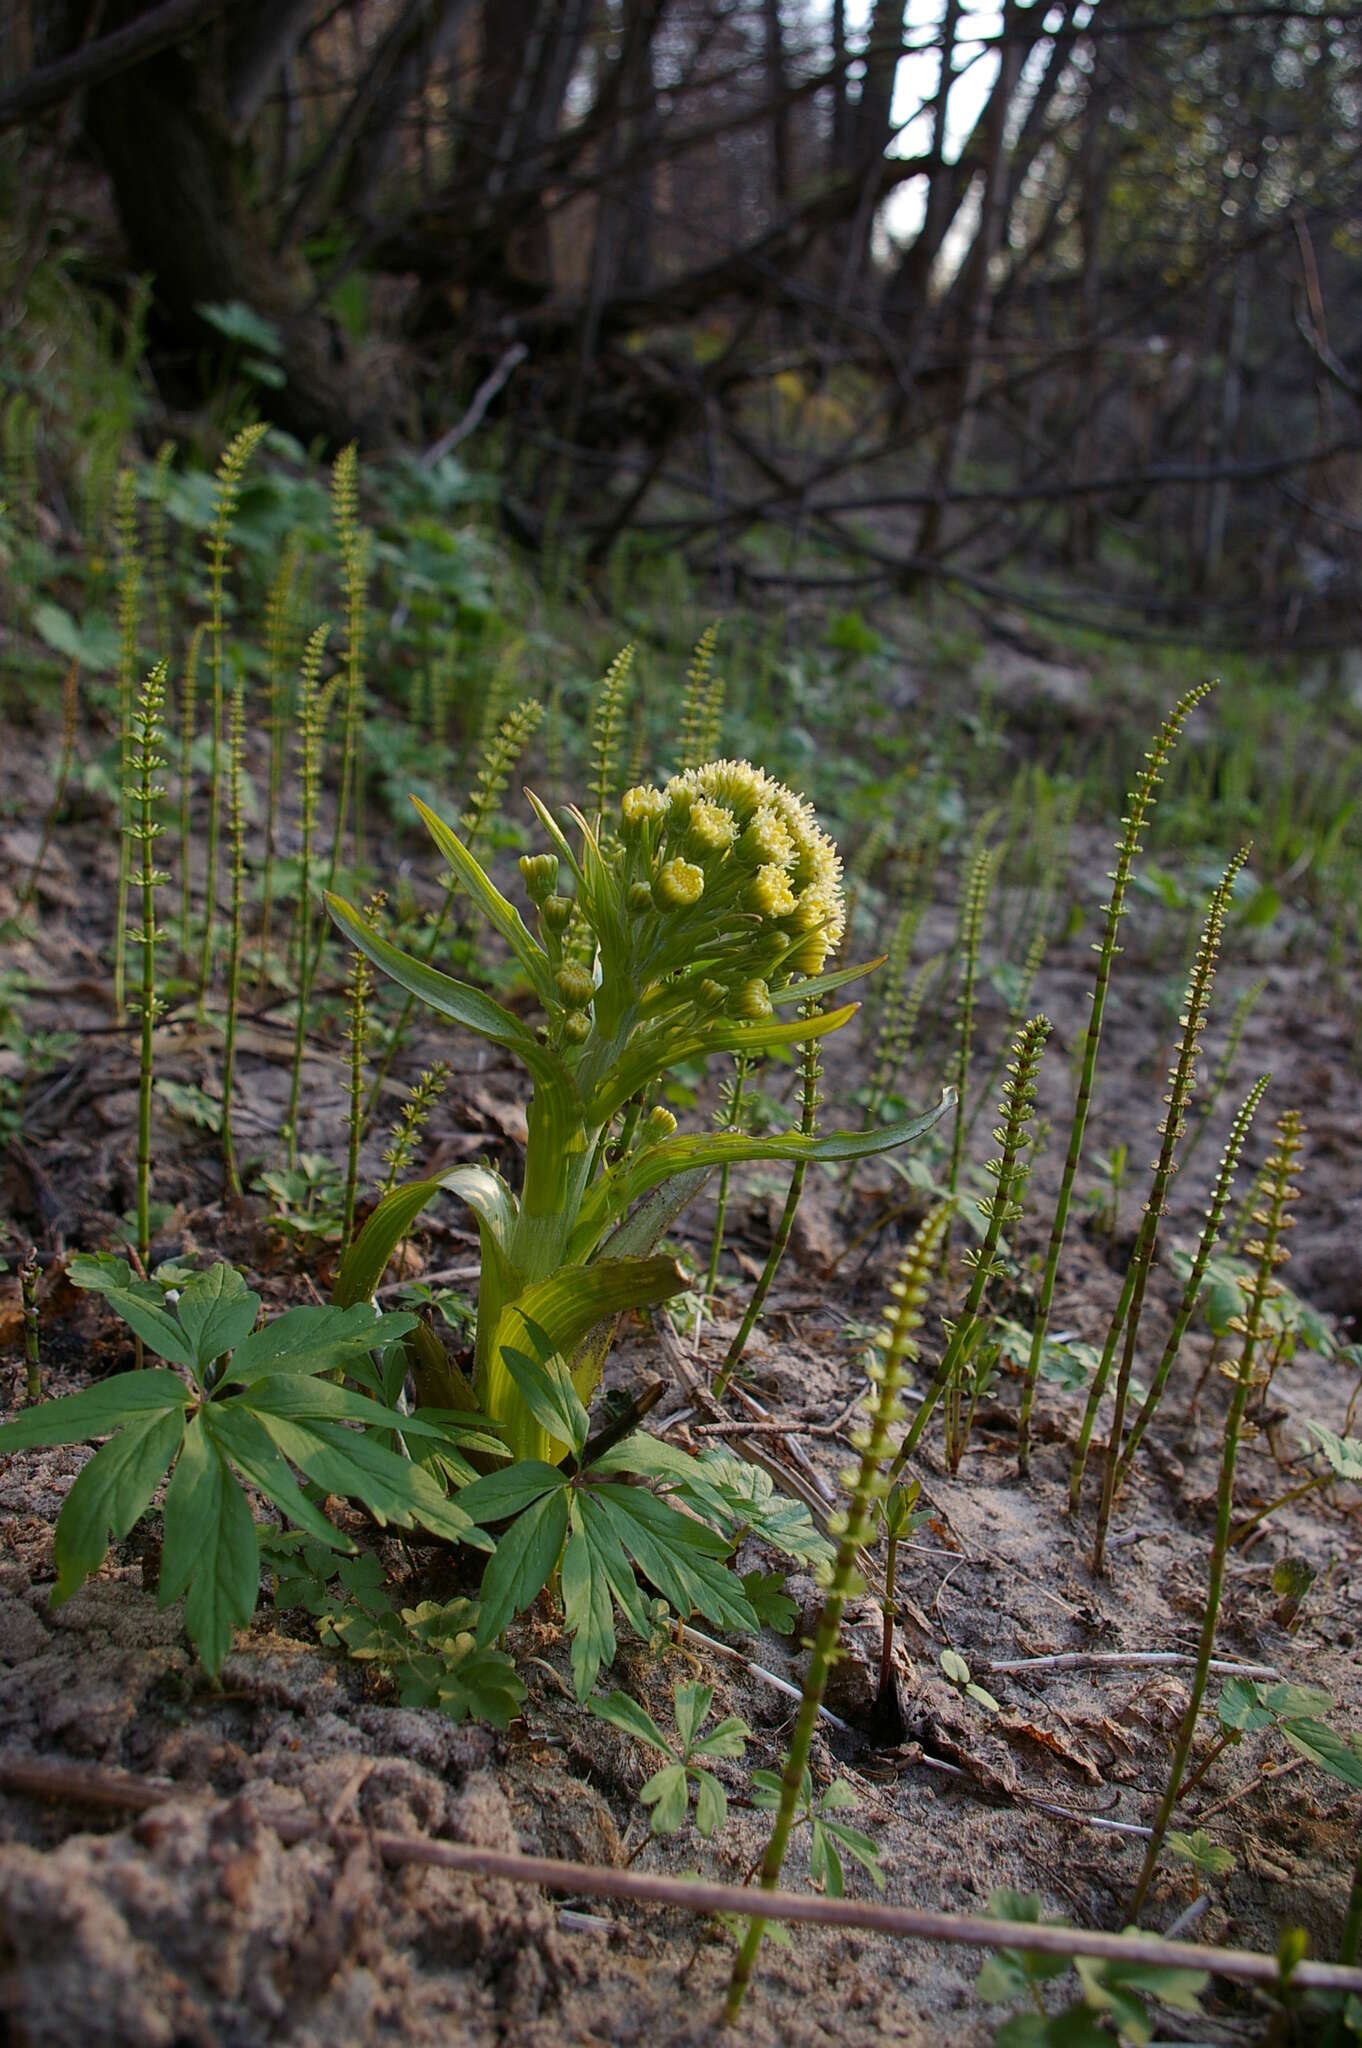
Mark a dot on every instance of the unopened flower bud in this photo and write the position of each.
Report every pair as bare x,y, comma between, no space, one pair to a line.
539,873
639,897
576,985
576,1027
679,884
556,912
641,806
752,1002
713,828
661,1123
710,994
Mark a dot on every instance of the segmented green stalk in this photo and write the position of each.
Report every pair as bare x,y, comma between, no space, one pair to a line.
352,546
1130,1307
158,570
1191,1293
503,754
1141,800
360,986
712,723
1011,1171
70,712
415,1114
439,683
311,723
129,617
145,828
236,830
909,1292
28,1297
1243,1010
811,1073
730,1119
231,470
188,709
977,887
695,699
1268,1253
280,620
606,716
898,1014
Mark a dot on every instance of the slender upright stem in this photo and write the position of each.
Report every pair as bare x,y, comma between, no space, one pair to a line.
146,828
129,585
732,1122
28,1295
310,734
1141,800
236,825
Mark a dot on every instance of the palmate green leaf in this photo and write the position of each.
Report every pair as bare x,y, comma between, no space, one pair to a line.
1344,1453
690,1704
211,1553
727,1738
499,911
457,999
217,1311
863,1848
754,1503
626,1714
486,1194
825,1865
159,1330
596,1578
521,1564
669,1796
306,1399
257,1457
498,1495
711,1805
682,1558
94,1411
475,1685
1120,1989
391,1488
314,1339
1240,1707
110,1493
770,1602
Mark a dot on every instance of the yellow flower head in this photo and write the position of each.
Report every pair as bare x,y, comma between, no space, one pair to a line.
767,841
713,827
769,893
752,1002
642,806
679,884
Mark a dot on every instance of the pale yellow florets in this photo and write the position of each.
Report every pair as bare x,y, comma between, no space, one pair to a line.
679,884
736,784
770,894
767,841
642,806
713,827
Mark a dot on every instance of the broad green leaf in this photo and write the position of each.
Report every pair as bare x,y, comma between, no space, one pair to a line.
625,1713
522,1563
1240,1706
392,1488
314,1339
466,1005
643,1230
1344,1453
566,1308
667,1793
210,1548
1339,1755
770,1602
711,1807
651,1457
94,1411
248,1444
498,1495
500,913
690,1704
365,1261
687,1152
110,1493
157,1327
217,1311
651,1055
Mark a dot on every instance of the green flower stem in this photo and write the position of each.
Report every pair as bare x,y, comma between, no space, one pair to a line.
129,586
146,829
811,1074
361,988
28,1295
732,1122
1269,1253
188,707
236,827
1181,1084
279,633
1010,1171
1142,799
1191,1293
230,472
352,548
910,1292
310,721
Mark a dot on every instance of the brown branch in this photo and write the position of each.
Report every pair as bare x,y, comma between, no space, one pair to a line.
111,1791
106,57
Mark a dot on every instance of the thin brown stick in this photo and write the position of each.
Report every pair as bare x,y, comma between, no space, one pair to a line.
73,1784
